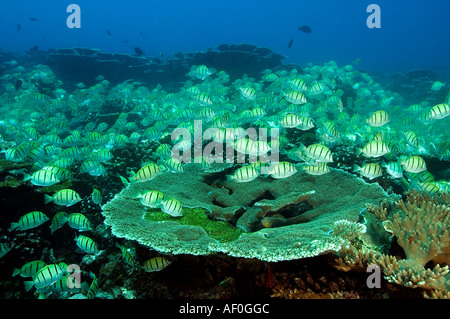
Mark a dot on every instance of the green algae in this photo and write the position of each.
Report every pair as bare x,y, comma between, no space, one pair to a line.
217,229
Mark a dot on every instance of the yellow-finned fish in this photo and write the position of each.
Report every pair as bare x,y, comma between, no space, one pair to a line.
126,255
29,221
63,197
291,121
155,264
172,207
93,288
248,92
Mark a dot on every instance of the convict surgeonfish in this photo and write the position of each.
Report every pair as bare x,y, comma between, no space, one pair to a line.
319,169
79,221
58,221
63,197
29,269
46,276
126,254
378,118
151,198
413,164
146,173
369,170
439,111
243,174
155,264
374,149
172,207
318,152
282,170
4,249
87,244
42,177
29,221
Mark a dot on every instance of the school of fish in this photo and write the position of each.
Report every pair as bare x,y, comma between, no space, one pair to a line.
57,133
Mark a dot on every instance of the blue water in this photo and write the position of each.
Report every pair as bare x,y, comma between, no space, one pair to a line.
413,34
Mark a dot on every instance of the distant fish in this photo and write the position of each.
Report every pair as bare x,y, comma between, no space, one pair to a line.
290,43
305,28
155,264
139,51
109,33
18,27
143,35
33,19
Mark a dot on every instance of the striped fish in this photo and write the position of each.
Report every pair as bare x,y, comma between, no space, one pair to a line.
282,170
394,169
46,276
86,244
317,88
61,173
413,164
172,207
306,123
411,138
58,221
378,118
42,177
155,264
203,99
126,255
439,111
330,129
291,120
146,173
200,72
29,269
370,170
246,146
93,288
29,221
4,249
319,152
248,92
374,149
96,197
295,97
320,169
243,174
298,84
151,198
63,197
79,221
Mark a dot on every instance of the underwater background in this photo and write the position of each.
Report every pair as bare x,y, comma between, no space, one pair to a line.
263,150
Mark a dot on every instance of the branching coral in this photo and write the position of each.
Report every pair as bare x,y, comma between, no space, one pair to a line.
421,226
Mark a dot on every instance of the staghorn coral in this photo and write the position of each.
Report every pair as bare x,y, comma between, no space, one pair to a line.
335,196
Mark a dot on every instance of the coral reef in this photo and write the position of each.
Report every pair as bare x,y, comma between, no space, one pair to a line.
329,198
420,226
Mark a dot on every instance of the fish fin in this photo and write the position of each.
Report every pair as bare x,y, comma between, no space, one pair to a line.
26,177
16,271
28,285
356,168
229,178
47,198
13,226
